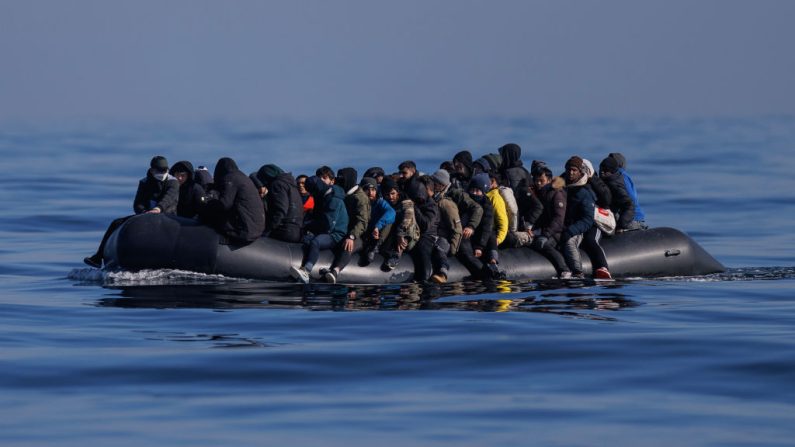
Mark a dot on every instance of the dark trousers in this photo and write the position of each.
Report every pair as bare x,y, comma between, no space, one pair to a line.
341,257
590,243
111,228
546,247
421,254
312,249
466,254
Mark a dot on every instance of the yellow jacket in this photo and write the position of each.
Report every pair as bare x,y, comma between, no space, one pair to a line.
500,214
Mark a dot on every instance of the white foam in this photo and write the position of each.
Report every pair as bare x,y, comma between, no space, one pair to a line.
157,277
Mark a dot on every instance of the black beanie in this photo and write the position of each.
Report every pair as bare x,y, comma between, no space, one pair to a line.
388,184
159,163
268,173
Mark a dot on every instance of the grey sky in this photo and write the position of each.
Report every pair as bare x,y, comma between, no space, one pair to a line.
250,59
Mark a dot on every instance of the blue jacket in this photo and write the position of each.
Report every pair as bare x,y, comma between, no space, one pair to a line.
381,214
639,214
334,218
579,210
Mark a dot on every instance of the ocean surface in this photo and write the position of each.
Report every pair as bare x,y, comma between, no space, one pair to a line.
171,358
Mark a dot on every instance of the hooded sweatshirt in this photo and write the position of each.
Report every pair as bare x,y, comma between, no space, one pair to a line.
513,171
190,192
330,214
157,190
242,216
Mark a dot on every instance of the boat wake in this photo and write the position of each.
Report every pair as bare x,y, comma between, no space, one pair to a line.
159,277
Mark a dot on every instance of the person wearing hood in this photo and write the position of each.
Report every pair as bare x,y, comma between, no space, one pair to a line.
382,216
639,219
450,230
621,203
327,228
512,171
357,205
157,193
590,241
477,252
284,211
203,178
190,193
237,213
376,173
579,213
462,164
549,225
489,163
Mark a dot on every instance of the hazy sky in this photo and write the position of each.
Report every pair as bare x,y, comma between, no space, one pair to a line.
249,59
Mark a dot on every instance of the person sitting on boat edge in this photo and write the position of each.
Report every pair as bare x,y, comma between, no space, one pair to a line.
382,216
328,226
512,170
579,213
639,220
548,227
621,203
238,213
357,204
477,252
591,239
462,163
450,230
284,212
190,193
158,192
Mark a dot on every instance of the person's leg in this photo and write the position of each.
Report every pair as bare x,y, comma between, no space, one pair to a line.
590,244
571,252
320,242
421,253
547,249
467,257
95,260
342,257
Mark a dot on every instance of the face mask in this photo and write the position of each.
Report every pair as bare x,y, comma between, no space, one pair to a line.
160,176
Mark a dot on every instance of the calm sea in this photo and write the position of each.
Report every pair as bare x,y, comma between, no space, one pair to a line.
174,358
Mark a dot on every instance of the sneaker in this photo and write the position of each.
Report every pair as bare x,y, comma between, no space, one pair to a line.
578,275
300,274
439,278
370,256
94,261
331,276
392,263
602,273
565,275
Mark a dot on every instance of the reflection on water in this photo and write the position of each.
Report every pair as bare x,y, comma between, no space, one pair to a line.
573,298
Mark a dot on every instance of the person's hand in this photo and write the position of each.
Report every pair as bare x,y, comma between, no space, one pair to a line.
376,234
154,210
468,232
403,243
348,245
478,252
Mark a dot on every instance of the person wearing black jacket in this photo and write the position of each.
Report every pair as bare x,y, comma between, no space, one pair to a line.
157,193
462,163
512,172
426,214
190,192
285,213
579,213
549,225
475,252
237,213
621,203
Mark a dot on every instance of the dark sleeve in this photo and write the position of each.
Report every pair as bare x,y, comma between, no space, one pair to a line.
141,204
427,217
227,194
556,225
622,204
486,228
278,205
602,191
586,204
170,196
531,208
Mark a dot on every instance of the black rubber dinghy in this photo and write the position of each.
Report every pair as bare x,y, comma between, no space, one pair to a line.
155,241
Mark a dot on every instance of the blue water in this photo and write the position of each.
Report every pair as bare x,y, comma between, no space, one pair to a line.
175,358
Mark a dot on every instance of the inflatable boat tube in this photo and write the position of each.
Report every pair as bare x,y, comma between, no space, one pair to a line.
154,241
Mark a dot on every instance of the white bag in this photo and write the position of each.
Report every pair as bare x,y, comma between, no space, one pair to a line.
605,220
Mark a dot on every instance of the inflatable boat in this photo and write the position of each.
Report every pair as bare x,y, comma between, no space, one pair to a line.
155,241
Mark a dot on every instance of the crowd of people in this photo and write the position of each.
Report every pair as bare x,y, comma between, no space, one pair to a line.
468,209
